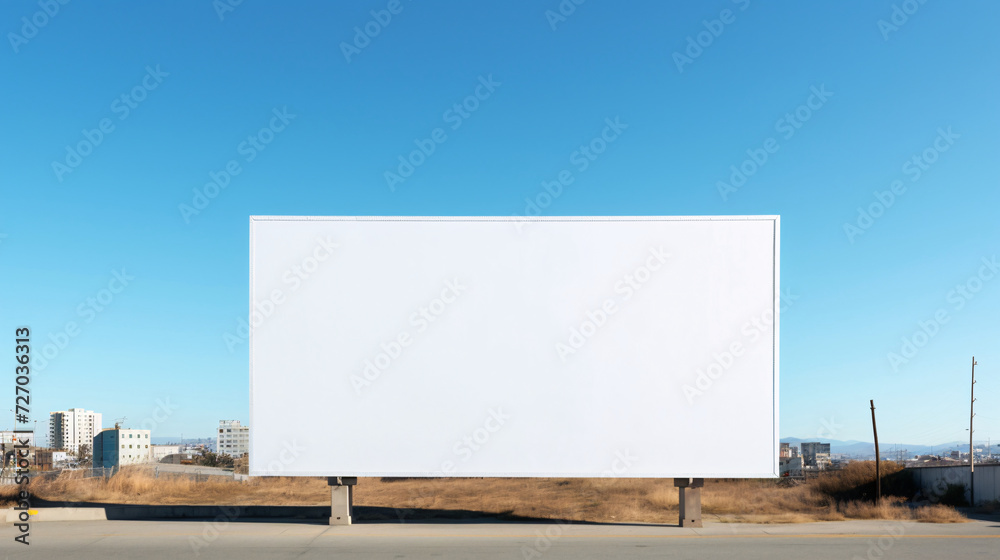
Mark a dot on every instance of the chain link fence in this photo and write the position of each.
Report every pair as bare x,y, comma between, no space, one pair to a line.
156,470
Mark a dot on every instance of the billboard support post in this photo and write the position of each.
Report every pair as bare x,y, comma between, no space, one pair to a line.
341,499
690,500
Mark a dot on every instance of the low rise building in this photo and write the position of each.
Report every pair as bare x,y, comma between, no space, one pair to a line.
815,455
48,459
117,447
182,458
161,451
790,466
788,450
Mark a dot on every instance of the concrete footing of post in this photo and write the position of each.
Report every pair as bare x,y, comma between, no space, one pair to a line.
690,500
341,499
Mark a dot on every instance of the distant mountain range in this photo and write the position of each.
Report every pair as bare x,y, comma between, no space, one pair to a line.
866,449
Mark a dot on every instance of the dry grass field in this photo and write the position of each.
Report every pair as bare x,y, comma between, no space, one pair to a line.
834,496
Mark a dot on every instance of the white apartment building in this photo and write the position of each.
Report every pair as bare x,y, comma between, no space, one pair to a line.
119,447
69,429
232,439
161,451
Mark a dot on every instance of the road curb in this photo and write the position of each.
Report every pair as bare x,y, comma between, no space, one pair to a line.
60,514
140,512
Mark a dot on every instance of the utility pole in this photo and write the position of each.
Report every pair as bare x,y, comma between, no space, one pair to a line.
972,450
878,476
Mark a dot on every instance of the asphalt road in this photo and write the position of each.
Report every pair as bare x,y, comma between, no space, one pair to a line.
488,540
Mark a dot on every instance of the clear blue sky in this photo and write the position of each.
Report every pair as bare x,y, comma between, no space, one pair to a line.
206,83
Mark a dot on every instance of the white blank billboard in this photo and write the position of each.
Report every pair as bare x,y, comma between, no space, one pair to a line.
490,346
